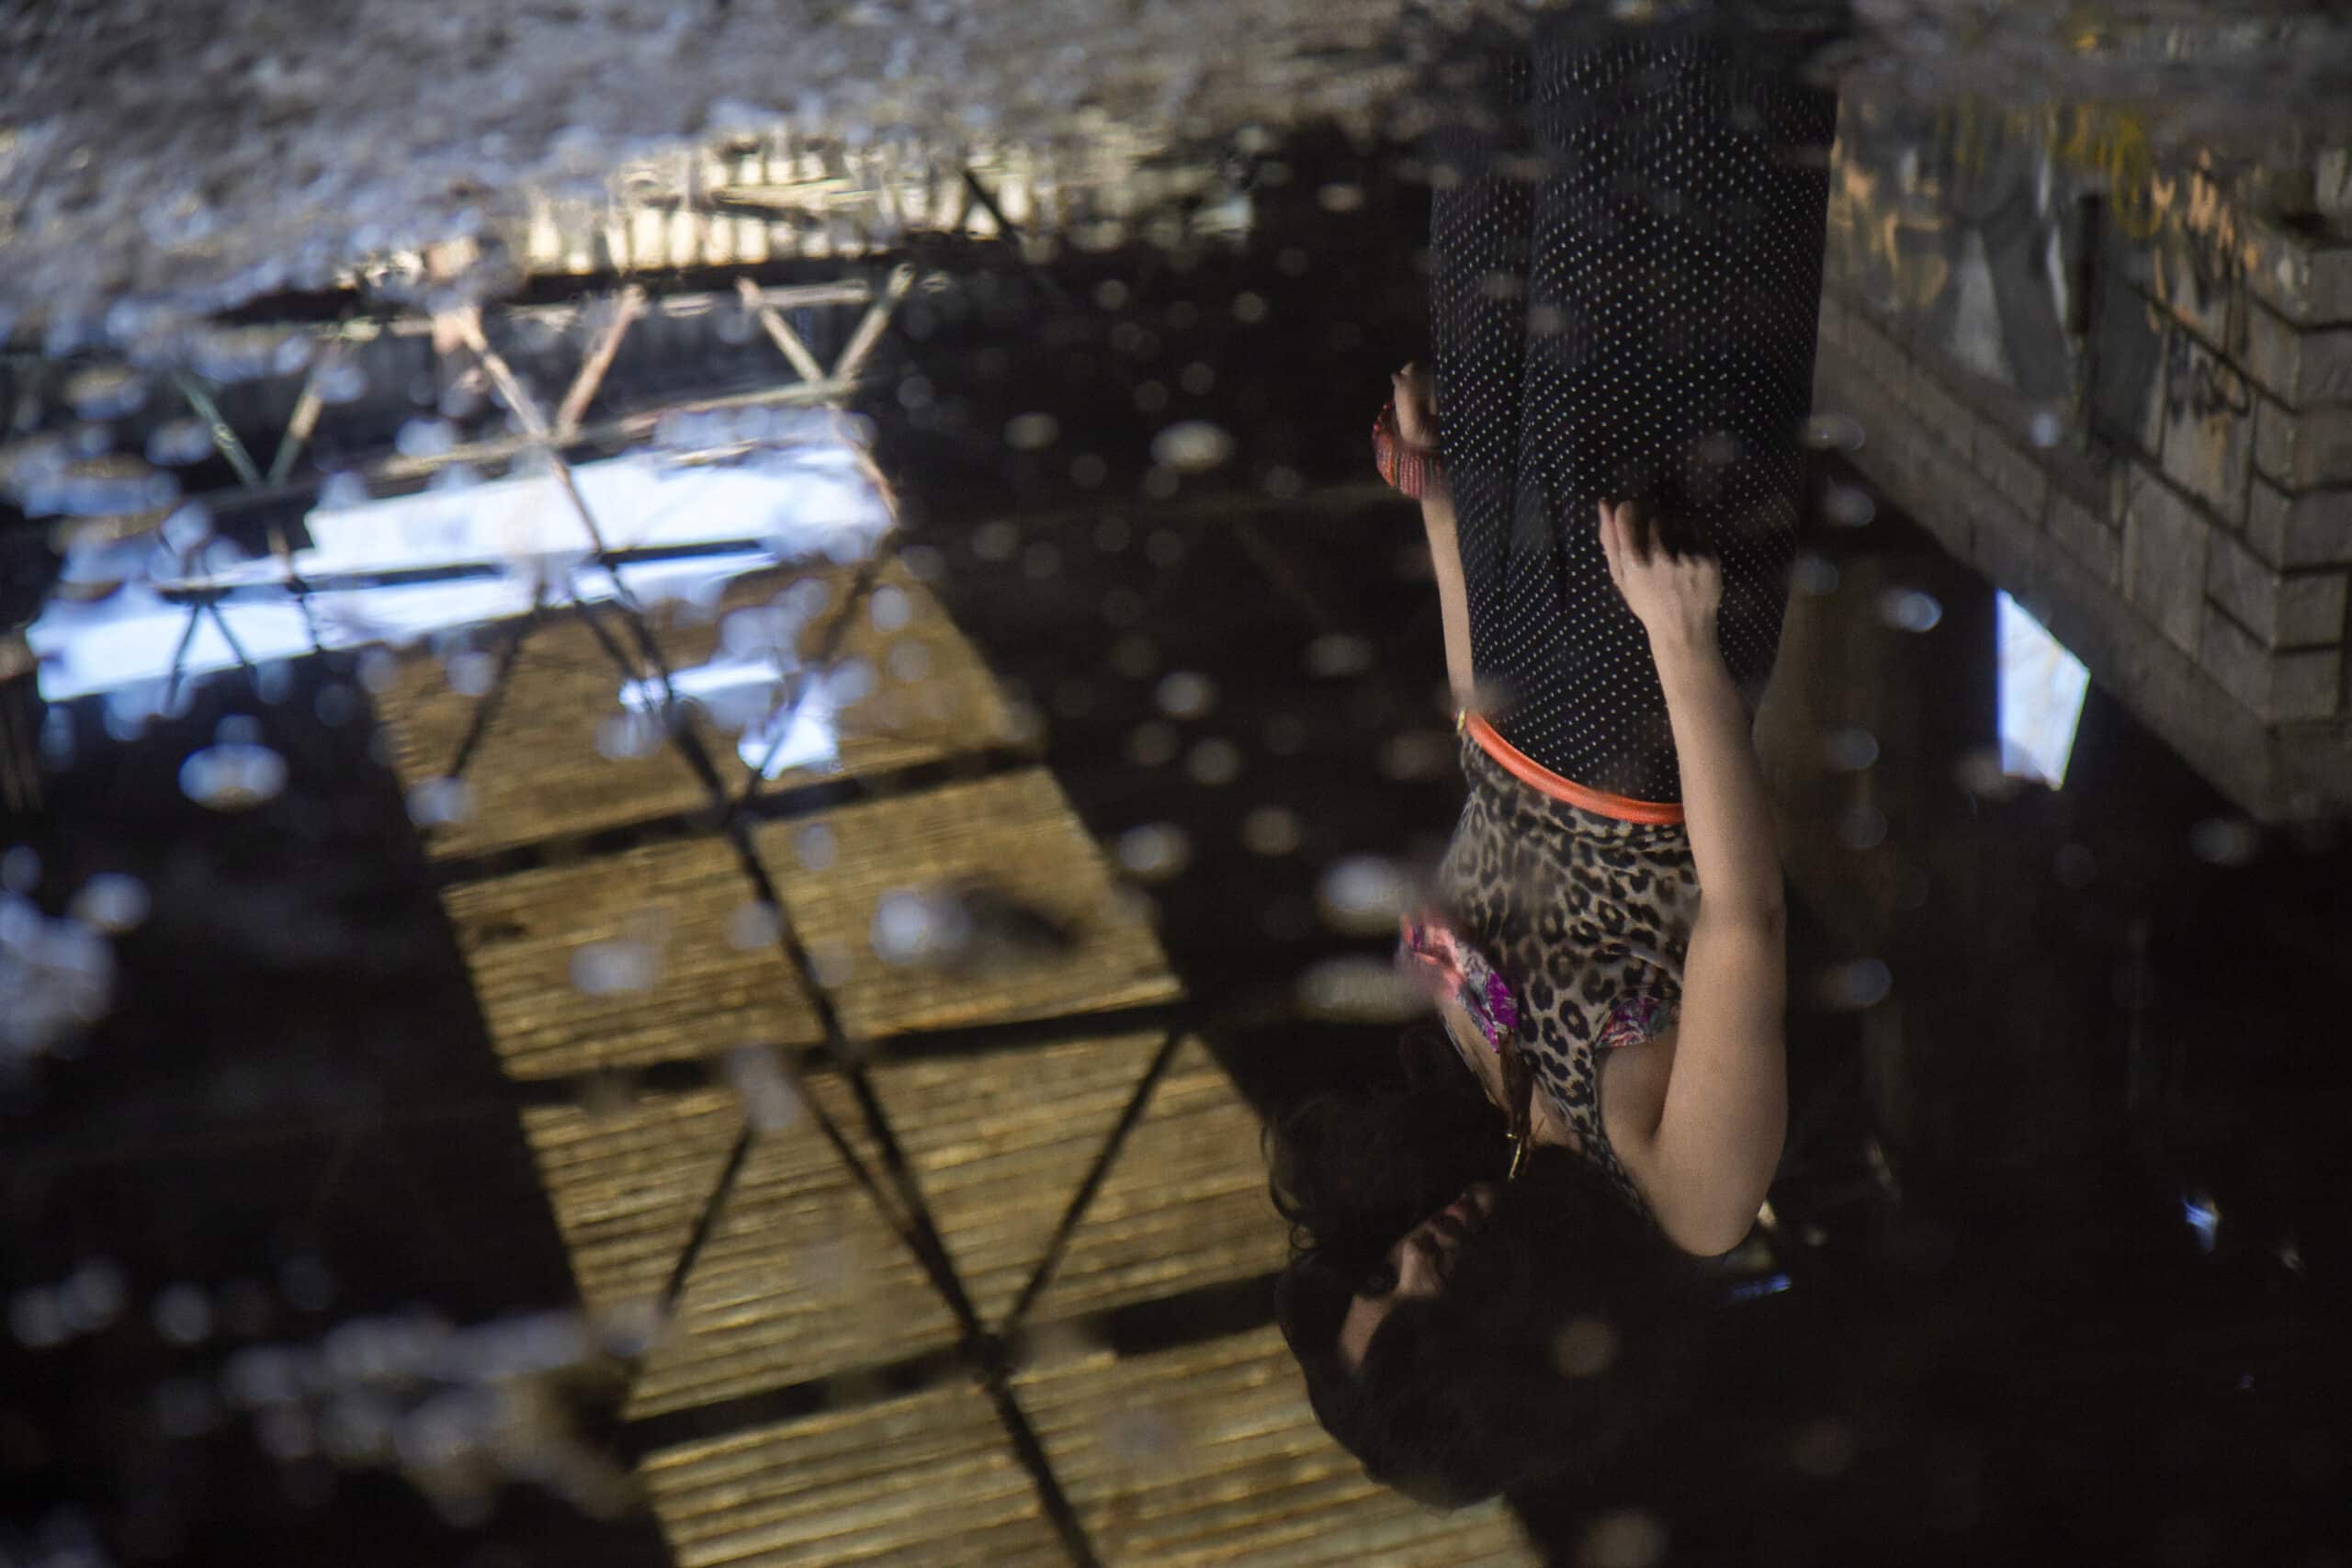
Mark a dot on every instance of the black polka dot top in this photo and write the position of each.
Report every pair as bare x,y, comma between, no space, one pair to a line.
1627,240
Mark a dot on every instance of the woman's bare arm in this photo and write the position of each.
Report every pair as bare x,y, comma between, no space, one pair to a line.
1417,423
1726,1110
1709,1163
1453,607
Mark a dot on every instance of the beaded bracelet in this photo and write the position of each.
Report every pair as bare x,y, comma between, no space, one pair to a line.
1405,466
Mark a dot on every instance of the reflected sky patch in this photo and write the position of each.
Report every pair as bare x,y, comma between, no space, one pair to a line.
474,554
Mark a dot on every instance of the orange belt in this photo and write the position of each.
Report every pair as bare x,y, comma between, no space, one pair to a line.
1542,779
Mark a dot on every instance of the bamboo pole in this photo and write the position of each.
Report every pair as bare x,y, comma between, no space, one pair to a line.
626,306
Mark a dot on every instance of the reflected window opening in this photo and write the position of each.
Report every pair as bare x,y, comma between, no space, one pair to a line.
2040,692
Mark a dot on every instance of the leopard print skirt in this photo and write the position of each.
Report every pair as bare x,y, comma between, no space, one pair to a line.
1586,917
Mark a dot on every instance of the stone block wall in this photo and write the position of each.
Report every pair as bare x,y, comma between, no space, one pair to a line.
2195,549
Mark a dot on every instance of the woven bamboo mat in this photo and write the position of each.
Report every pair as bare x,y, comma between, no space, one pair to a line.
800,1276
1016,833
627,1185
1001,1144
1206,1454
926,1480
546,946
1210,1454
801,1279
672,926
537,772
1183,1205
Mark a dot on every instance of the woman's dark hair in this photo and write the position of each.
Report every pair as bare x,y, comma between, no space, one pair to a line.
1569,1328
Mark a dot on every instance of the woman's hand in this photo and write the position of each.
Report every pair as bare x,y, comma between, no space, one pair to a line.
1674,596
1416,406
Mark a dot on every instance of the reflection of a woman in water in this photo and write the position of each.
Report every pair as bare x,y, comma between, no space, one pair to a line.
1626,262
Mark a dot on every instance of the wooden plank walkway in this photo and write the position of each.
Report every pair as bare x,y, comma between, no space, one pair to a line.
788,1284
